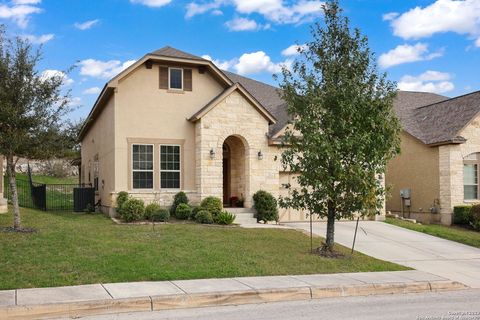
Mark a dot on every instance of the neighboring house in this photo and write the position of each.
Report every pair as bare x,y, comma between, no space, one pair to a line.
174,121
440,156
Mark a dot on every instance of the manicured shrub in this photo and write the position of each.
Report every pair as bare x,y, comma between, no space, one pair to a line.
121,198
462,215
266,206
194,212
204,216
180,197
183,211
162,215
213,205
225,218
475,217
132,210
150,209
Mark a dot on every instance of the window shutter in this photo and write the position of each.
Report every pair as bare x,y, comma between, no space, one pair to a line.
187,79
163,77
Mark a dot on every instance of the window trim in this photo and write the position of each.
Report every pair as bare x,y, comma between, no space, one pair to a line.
169,81
137,170
472,162
179,165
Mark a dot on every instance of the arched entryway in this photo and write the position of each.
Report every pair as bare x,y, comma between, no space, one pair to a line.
234,168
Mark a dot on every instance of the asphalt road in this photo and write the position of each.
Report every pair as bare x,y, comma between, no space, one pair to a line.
456,305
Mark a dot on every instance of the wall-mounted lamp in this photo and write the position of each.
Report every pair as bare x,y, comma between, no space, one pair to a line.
212,154
260,155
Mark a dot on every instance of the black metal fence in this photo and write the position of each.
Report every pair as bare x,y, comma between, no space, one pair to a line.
57,197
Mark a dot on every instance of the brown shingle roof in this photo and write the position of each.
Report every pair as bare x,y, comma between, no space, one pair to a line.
442,121
405,106
175,53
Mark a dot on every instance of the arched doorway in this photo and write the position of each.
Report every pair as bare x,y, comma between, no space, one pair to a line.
234,168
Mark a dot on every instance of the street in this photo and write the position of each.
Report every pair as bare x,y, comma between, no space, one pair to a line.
457,305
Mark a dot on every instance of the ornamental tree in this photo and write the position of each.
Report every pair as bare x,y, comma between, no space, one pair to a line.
343,129
32,109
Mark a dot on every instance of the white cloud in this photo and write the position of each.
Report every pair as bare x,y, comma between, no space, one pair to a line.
85,25
429,81
244,24
194,9
459,16
222,64
293,50
407,53
103,69
19,2
477,43
272,10
92,90
51,73
44,38
390,16
251,63
152,3
257,62
74,102
19,13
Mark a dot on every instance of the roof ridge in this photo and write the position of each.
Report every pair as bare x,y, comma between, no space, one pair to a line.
449,99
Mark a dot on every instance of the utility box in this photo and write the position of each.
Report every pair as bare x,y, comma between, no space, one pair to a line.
405,193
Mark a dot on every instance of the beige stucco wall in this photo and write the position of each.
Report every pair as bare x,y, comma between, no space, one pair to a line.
451,169
415,168
146,114
235,116
100,140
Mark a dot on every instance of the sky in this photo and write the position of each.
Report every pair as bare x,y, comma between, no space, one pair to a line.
425,45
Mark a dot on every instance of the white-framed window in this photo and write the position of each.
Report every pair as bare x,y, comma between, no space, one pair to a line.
175,78
170,164
142,166
470,176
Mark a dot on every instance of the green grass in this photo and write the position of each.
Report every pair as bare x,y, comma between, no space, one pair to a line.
70,249
454,233
48,179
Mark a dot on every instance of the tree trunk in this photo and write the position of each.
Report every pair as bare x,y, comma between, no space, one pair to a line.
330,226
12,179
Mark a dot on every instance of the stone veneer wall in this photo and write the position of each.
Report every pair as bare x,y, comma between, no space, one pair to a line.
235,116
451,170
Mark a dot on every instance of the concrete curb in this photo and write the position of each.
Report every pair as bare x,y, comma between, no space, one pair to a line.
184,300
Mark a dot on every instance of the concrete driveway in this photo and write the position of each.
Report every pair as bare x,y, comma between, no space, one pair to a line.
417,250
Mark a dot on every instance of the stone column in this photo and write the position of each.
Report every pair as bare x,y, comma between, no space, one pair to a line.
3,201
451,181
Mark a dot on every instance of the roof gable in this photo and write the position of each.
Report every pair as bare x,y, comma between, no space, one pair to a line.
439,121
236,87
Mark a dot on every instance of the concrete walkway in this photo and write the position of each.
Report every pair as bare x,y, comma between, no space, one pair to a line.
448,259
95,299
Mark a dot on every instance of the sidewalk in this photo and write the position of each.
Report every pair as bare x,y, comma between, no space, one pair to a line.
95,299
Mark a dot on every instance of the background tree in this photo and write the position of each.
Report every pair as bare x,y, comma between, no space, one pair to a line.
32,108
343,128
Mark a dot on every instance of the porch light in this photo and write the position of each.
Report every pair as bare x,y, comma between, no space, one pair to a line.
260,155
212,154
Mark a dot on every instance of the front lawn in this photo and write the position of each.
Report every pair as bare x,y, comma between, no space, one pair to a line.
454,233
48,179
70,249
